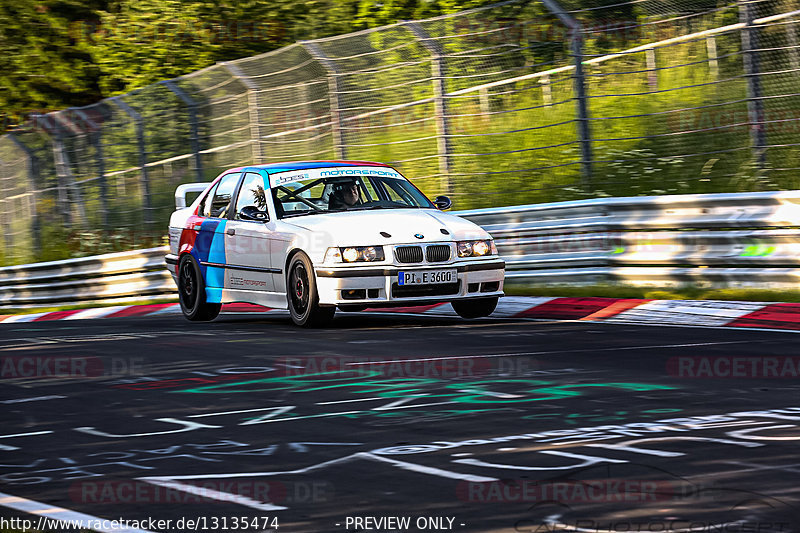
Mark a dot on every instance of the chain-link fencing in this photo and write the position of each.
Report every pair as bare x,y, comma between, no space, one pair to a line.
524,101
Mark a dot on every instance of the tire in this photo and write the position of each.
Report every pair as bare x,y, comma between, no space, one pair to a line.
192,292
475,307
302,296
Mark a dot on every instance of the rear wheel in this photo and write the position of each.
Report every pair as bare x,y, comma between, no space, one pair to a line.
302,294
192,292
475,307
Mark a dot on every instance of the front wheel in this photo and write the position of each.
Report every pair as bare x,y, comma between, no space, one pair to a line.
475,307
192,292
302,294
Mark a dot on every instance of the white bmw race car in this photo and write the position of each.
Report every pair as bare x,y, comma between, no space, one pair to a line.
314,236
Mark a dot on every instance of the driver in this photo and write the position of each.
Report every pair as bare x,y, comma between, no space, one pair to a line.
345,195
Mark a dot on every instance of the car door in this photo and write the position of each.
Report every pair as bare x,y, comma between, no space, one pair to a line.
247,239
209,245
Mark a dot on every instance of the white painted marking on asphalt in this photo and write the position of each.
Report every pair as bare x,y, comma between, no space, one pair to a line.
312,468
751,466
278,410
36,399
65,515
491,393
413,467
593,350
217,495
587,461
745,433
351,401
25,434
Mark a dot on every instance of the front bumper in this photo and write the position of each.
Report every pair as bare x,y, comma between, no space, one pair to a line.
374,286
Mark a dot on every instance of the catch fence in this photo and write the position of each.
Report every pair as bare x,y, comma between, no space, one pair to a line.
515,103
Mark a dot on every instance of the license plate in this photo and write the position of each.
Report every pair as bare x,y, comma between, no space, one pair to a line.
427,277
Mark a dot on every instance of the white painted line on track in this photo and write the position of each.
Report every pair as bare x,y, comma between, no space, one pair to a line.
413,467
48,515
25,434
312,468
211,494
615,349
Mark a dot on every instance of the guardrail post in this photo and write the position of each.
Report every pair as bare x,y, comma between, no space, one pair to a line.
145,179
752,70
95,137
339,147
194,139
252,105
438,74
581,99
33,177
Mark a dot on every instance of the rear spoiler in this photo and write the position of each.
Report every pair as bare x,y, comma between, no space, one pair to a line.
182,190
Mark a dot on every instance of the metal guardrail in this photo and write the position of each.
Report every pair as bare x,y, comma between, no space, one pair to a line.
739,240
742,240
135,275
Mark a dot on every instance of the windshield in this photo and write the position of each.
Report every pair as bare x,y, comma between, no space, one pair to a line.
330,190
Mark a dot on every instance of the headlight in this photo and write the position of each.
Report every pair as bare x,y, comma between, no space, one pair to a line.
353,254
475,248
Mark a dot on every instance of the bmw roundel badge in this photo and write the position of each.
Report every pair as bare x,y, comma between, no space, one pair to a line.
419,235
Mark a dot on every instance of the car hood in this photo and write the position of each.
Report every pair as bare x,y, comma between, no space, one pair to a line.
360,228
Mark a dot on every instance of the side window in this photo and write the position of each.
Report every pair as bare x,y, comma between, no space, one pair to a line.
219,199
251,193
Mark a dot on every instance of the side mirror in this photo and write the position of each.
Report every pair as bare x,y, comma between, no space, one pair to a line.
251,212
442,203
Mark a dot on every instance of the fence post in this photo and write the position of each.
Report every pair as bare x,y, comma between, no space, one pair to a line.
33,177
652,66
8,243
339,147
145,179
194,139
438,74
794,53
252,105
95,137
581,99
63,169
752,70
713,57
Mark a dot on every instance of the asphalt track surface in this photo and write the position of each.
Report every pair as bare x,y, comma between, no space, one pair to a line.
492,425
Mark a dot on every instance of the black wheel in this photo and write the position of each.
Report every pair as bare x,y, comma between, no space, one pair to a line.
475,307
192,292
302,294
